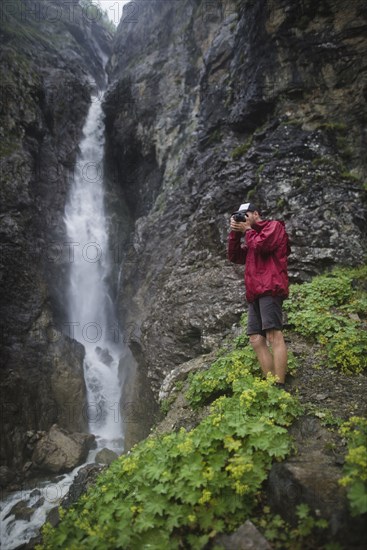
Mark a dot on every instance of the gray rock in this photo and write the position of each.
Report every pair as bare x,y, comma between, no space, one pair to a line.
311,477
247,537
104,356
106,456
183,178
84,479
181,372
6,476
38,503
21,511
53,516
60,451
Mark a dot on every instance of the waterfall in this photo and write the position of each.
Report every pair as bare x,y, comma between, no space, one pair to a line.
92,319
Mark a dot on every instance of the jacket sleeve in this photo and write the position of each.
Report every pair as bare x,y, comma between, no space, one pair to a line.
269,238
236,251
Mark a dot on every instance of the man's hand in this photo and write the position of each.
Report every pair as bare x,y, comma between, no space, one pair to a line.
240,227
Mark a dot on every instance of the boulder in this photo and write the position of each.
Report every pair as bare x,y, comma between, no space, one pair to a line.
311,477
247,537
106,456
21,511
59,451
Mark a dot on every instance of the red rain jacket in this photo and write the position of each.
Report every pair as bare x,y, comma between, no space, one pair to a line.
265,254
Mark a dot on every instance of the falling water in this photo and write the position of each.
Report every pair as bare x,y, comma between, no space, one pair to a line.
90,308
92,322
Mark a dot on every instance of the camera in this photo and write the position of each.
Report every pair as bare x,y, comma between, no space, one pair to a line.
239,216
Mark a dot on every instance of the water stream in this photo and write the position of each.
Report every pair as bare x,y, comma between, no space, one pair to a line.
91,310
92,321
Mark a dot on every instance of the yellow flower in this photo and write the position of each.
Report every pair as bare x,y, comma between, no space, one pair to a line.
240,488
129,465
231,444
186,447
208,474
205,497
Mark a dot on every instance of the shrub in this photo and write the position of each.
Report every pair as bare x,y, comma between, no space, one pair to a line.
228,374
181,489
286,537
355,467
327,310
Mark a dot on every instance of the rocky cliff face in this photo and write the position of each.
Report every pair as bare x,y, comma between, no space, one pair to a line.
209,104
50,51
214,103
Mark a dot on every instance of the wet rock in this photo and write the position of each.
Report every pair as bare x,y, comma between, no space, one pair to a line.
53,516
21,511
6,476
27,466
60,451
84,479
38,503
68,384
104,356
311,477
106,456
247,537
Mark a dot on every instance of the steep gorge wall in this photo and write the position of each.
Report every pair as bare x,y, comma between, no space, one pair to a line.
49,53
209,103
213,103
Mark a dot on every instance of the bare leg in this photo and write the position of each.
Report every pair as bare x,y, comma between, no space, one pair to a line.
263,354
280,353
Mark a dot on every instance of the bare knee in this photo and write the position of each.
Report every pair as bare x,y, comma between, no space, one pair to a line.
257,341
274,337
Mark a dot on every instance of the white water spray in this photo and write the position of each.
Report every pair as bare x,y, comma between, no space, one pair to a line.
92,322
91,313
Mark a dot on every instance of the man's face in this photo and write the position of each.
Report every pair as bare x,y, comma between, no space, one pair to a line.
251,217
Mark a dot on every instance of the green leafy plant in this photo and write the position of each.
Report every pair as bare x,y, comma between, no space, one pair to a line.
330,311
166,404
326,416
351,177
227,374
180,490
355,467
285,537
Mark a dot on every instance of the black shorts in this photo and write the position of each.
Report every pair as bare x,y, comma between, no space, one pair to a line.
264,314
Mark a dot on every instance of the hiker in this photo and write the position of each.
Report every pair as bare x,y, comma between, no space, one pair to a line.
264,252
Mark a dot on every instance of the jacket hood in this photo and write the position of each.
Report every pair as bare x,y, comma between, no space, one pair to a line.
259,226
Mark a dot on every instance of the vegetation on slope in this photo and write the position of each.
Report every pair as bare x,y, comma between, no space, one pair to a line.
181,489
185,487
331,310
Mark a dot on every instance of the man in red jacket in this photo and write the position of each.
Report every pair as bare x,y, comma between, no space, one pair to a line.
264,253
